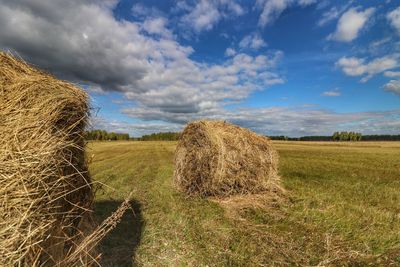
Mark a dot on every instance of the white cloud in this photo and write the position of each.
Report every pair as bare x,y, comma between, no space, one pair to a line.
272,9
323,4
83,42
157,26
230,52
153,21
141,11
232,8
328,16
334,92
187,87
207,13
350,24
392,86
307,2
134,129
353,66
333,14
394,19
289,121
156,73
203,17
253,41
392,74
380,46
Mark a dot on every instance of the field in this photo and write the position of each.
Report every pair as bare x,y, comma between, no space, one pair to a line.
342,208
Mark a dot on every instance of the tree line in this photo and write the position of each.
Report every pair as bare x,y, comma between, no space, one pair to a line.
174,136
340,136
102,135
303,138
381,137
161,136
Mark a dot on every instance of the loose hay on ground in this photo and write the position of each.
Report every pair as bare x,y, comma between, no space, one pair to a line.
215,158
46,192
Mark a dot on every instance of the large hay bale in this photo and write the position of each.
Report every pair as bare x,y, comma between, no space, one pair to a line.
45,189
215,158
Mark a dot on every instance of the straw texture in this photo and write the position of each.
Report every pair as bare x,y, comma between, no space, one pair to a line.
45,190
215,158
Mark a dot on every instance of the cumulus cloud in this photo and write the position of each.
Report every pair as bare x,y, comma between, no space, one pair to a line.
153,21
334,92
134,129
142,12
157,26
290,121
205,14
394,19
83,42
78,40
353,66
350,24
230,52
392,86
188,87
163,86
253,41
392,74
203,17
272,9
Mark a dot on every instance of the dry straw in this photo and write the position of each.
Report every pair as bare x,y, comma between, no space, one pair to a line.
215,158
46,192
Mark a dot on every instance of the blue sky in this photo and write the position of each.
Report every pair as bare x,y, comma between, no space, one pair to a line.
290,67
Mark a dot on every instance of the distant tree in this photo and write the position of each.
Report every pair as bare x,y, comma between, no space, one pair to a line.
346,136
104,135
336,136
112,136
352,136
161,136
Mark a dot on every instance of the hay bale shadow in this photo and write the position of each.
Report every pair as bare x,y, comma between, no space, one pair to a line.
118,248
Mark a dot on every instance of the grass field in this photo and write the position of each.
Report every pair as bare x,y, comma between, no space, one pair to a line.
342,208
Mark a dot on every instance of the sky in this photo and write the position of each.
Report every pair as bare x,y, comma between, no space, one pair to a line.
278,67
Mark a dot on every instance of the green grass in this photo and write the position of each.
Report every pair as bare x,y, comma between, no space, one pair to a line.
343,208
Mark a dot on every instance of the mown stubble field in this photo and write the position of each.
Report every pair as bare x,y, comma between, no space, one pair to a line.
342,208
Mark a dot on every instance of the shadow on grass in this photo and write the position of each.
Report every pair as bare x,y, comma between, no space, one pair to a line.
118,248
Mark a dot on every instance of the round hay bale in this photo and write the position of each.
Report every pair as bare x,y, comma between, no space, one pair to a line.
215,158
46,192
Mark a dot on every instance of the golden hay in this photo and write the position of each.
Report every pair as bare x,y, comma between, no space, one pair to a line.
46,192
215,158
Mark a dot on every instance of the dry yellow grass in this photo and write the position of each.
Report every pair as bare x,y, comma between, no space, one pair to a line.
342,209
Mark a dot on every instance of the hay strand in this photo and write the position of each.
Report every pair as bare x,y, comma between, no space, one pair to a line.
83,253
